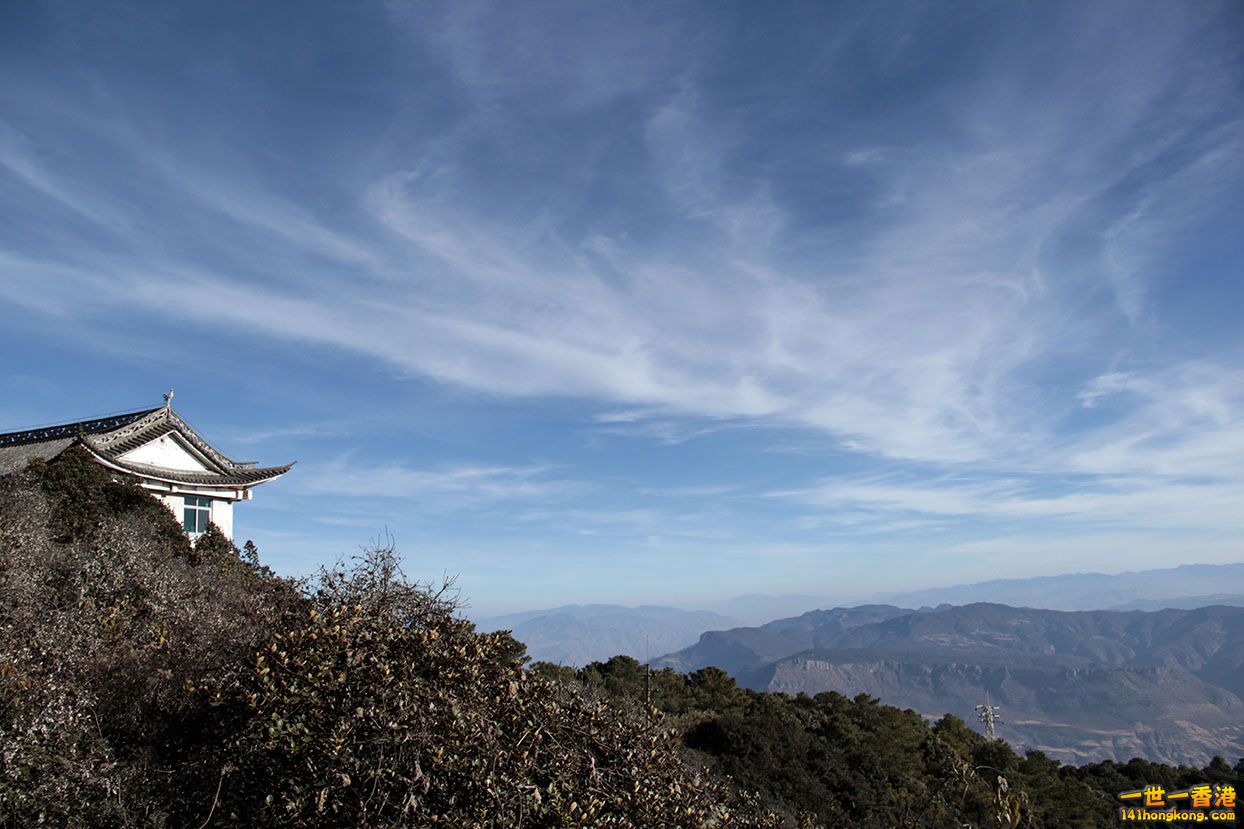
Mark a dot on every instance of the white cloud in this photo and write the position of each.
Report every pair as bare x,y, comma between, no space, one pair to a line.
1131,501
460,485
1184,420
20,159
907,355
946,314
625,416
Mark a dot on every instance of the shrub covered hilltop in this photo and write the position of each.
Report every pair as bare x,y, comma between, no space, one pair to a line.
145,682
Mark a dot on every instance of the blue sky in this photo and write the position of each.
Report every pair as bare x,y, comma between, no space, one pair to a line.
651,302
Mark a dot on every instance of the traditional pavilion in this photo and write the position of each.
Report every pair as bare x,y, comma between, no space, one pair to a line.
168,458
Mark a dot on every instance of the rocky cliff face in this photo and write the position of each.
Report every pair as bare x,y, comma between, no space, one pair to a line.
1080,686
1075,715
735,649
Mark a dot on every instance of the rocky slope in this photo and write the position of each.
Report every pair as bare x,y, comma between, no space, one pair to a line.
1081,686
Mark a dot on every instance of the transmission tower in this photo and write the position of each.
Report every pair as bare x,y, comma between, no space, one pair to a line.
988,714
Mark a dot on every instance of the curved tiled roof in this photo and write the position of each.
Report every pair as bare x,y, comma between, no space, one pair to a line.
14,457
72,430
109,438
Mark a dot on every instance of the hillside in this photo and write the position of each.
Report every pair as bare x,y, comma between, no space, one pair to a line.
1084,685
146,682
1075,715
736,649
855,762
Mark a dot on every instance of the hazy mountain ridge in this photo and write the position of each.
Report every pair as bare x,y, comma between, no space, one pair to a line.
1092,591
1185,586
1206,640
580,634
1079,685
1184,602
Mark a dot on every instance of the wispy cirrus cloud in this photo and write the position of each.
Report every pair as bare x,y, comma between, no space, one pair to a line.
460,484
980,285
1131,501
912,346
1182,420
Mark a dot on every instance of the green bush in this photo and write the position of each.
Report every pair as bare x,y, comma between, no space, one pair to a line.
384,709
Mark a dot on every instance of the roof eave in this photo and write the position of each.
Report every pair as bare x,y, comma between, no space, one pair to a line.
151,475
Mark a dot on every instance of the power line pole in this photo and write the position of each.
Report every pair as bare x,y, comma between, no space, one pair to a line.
988,714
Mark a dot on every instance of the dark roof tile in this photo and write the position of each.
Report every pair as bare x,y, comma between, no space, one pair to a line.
111,437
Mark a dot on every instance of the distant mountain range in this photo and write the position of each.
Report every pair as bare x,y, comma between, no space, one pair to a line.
1080,686
1186,586
1189,585
1161,684
579,634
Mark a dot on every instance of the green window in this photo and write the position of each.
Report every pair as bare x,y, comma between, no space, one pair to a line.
198,513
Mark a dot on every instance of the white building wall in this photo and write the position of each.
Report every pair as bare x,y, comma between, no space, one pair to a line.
222,516
174,504
168,452
220,512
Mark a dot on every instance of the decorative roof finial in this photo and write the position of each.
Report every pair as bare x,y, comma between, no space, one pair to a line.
168,398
